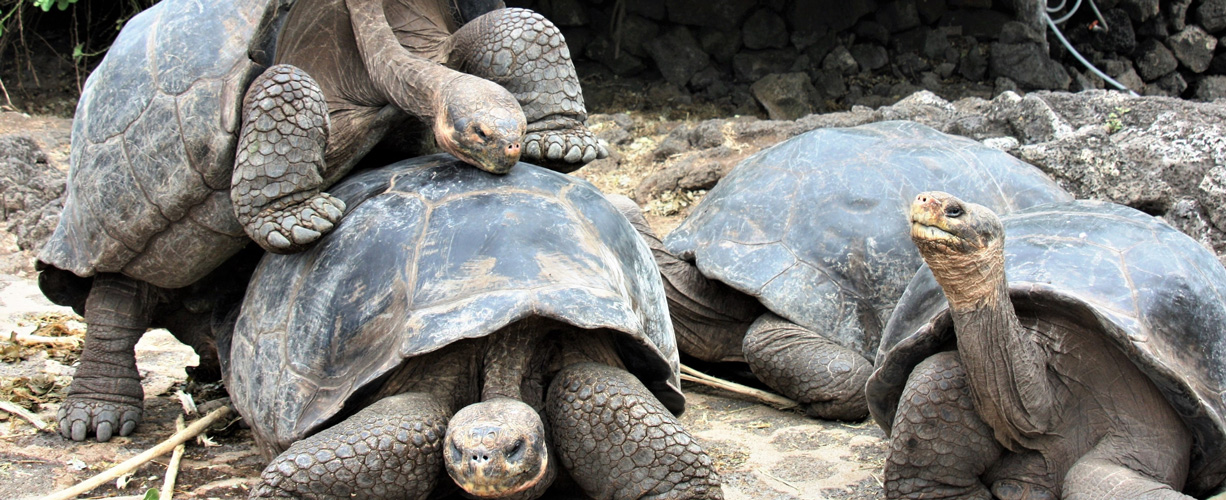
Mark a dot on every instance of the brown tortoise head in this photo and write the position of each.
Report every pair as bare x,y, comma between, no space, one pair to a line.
497,449
963,243
481,123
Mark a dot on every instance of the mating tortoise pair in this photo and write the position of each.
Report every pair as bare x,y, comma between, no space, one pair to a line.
212,123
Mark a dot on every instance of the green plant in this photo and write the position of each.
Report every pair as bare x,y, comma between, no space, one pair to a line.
1114,119
42,4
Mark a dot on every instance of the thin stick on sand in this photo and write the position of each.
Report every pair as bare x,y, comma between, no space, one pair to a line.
172,469
775,400
133,463
23,413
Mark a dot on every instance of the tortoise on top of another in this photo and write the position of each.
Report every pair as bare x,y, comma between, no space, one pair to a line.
499,328
186,143
793,261
1073,350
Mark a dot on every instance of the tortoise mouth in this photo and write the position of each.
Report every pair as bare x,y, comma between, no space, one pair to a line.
928,232
482,486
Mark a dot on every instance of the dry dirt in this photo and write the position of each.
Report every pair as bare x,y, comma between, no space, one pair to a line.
760,452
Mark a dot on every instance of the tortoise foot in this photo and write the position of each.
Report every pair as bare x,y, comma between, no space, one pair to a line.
292,228
653,457
81,416
565,148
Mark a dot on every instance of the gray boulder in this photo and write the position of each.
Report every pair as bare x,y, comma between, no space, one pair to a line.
1193,47
1154,60
764,29
785,96
678,55
1211,14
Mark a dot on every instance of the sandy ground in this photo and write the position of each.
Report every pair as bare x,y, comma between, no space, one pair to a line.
760,452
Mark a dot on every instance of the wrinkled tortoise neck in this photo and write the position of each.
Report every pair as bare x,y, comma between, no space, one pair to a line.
1006,366
971,280
508,355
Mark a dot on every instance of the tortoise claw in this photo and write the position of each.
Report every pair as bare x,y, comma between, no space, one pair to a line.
563,149
292,228
79,416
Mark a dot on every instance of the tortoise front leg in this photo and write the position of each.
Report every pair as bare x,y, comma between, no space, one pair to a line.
390,449
524,52
939,447
618,441
105,395
279,168
826,377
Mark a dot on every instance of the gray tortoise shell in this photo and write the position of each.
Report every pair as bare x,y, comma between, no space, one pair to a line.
1155,292
429,253
153,144
816,227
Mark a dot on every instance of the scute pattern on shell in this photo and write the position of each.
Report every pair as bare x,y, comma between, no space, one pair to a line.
1155,292
153,146
815,227
431,252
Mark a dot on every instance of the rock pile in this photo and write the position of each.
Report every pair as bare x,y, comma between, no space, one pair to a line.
801,56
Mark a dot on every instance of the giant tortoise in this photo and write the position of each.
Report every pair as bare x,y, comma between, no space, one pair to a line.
1074,350
156,200
810,230
502,326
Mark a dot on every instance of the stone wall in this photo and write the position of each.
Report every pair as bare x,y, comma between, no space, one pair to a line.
800,56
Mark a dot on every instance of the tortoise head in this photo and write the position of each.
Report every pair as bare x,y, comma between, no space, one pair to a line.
963,244
481,123
497,449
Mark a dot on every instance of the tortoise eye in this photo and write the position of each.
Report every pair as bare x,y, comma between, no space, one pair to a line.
953,211
480,132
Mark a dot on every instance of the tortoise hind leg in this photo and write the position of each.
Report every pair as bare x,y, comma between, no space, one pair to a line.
1140,463
618,441
939,447
826,377
279,167
105,396
535,67
390,449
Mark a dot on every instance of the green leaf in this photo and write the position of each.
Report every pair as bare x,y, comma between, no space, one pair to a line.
63,4
151,494
78,51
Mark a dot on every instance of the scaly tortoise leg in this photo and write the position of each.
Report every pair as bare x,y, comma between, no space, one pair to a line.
279,166
939,447
1140,463
105,396
826,377
619,442
524,52
390,449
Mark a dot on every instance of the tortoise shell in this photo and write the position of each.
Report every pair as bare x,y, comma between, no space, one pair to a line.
1157,294
431,252
816,228
153,143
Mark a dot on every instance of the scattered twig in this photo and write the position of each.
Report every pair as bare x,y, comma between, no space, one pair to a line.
8,101
172,469
26,338
132,463
24,413
692,375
